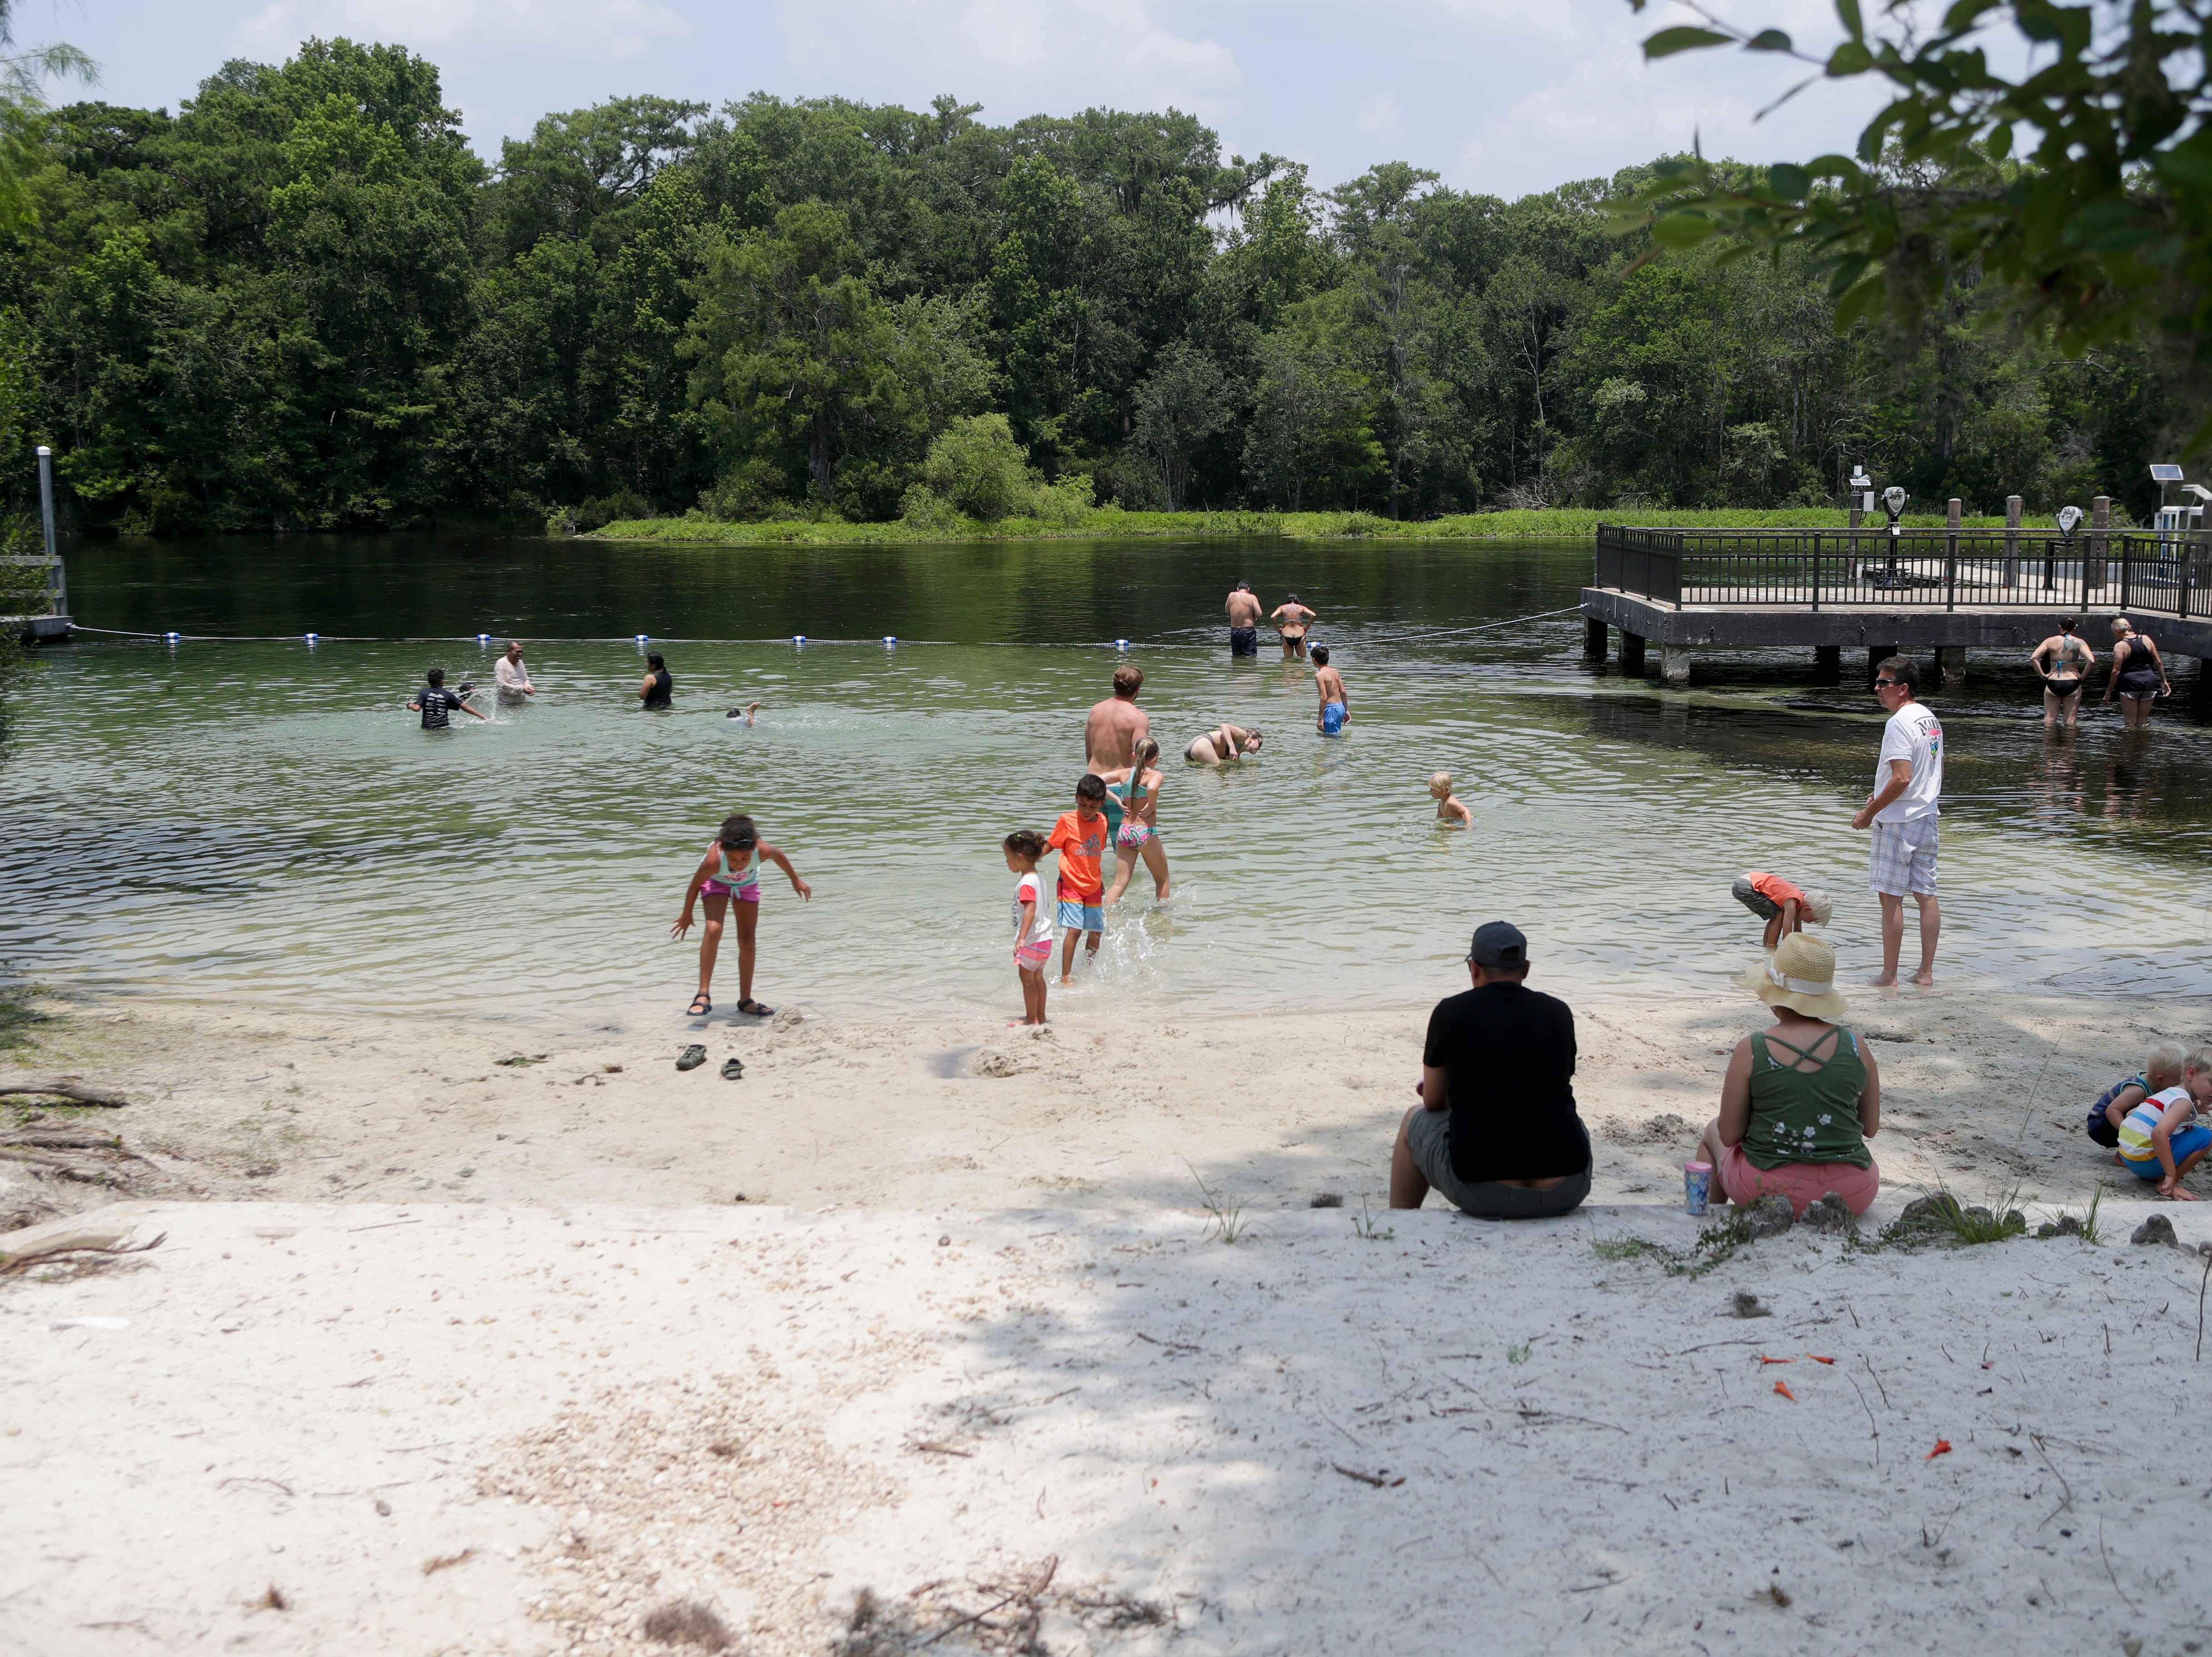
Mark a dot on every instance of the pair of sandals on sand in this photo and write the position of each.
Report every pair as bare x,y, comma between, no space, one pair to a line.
733,1068
701,1005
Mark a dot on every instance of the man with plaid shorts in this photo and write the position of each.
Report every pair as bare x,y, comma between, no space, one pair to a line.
1902,811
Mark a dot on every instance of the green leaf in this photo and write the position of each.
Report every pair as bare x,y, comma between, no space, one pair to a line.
1849,59
2188,164
1847,13
1768,39
1998,144
1791,183
1669,41
1682,230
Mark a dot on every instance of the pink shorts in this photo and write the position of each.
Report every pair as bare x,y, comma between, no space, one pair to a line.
1802,1182
746,894
1033,957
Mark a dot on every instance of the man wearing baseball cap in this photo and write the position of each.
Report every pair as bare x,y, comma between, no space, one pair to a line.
1496,1132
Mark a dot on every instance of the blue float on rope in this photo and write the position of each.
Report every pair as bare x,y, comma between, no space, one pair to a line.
798,638
312,637
484,638
642,639
1120,644
887,639
173,637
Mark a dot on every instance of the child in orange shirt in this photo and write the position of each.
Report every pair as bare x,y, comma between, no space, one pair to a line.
1079,838
1785,908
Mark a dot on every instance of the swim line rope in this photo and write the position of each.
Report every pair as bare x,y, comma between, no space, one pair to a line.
484,638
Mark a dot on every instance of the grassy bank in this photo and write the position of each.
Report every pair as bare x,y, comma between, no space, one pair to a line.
1111,524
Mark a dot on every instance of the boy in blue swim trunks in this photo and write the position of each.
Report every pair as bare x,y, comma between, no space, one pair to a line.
2161,1140
1079,838
1336,705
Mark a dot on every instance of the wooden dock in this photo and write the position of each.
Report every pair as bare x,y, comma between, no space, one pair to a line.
1934,592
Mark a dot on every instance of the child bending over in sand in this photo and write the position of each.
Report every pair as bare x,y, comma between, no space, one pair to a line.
730,869
1079,838
2162,1070
1785,908
1449,807
1032,920
2161,1138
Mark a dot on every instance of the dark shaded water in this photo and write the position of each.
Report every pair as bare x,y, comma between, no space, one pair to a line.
262,818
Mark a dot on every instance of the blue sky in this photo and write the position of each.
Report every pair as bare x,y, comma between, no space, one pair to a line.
1500,95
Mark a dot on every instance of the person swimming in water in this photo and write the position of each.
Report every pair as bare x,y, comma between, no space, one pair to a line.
437,704
1222,743
1244,621
2062,663
658,688
1292,620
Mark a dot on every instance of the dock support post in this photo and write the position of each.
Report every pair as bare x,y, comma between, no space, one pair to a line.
1593,639
1674,663
2092,567
2200,695
1951,666
1632,652
1827,664
2012,540
1876,654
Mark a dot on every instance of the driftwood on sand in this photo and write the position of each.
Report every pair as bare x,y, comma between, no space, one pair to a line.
62,1087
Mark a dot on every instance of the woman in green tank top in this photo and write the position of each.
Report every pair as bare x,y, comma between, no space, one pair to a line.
1800,1098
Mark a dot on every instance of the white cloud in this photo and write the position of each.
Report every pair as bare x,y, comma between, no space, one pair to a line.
1380,116
1021,58
585,29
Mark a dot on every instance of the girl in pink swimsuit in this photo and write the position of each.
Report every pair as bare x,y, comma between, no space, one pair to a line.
730,869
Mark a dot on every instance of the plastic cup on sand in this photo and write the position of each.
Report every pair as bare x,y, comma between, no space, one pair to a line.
1696,1187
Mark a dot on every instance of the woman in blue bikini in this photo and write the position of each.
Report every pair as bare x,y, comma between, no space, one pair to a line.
1138,787
730,869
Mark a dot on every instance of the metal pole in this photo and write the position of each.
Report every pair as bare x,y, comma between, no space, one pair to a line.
2011,541
57,584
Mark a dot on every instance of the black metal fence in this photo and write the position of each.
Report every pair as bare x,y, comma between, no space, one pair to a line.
2167,574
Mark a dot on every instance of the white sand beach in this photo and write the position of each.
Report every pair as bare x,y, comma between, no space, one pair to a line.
460,1356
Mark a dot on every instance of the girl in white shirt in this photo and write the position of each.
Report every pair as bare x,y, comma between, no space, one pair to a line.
1032,922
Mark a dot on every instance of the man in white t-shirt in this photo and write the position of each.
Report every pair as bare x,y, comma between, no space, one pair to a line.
1902,810
511,678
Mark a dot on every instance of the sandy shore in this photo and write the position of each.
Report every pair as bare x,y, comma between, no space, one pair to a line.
451,1355
1112,1109
451,1428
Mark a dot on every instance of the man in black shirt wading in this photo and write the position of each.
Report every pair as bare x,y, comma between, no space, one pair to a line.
1496,1132
437,704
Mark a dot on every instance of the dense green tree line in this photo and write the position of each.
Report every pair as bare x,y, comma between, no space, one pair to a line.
303,301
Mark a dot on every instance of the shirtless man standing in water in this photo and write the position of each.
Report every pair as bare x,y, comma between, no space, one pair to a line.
1116,725
1243,622
1292,620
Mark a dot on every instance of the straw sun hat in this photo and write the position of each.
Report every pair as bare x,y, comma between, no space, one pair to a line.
1801,975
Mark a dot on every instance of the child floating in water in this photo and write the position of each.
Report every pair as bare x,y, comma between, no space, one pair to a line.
1449,807
1079,838
1032,920
1785,908
2161,1140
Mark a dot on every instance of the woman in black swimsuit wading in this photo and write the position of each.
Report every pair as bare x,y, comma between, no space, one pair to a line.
2062,663
2138,672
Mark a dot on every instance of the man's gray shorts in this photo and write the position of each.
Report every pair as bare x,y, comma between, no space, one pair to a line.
1429,1137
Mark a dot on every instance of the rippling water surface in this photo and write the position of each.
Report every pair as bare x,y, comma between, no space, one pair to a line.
259,818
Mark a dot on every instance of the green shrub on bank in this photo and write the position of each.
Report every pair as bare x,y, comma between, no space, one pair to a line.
1057,512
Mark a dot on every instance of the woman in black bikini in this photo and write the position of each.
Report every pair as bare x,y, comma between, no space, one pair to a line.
2138,672
2062,663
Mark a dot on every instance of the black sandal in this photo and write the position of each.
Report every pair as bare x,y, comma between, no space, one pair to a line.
702,1004
756,1010
734,1069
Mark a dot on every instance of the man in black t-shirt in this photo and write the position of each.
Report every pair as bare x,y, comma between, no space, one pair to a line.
1496,1132
436,703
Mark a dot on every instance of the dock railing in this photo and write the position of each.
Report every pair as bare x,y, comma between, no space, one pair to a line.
2165,574
45,597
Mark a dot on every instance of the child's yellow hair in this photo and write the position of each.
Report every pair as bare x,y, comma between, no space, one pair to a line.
1441,780
1820,907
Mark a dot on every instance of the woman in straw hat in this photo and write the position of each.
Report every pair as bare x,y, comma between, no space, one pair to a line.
1801,1097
